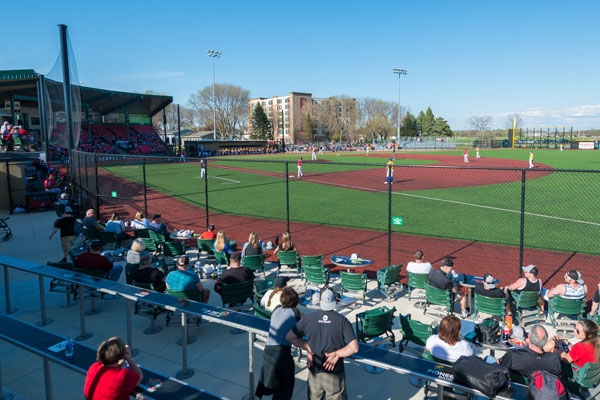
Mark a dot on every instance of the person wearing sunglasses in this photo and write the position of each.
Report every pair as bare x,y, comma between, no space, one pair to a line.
586,350
574,288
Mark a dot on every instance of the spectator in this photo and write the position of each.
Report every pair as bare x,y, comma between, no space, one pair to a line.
108,378
330,339
277,376
587,350
221,244
574,288
185,280
235,273
528,283
149,275
50,183
286,243
93,260
66,225
209,234
272,298
139,222
533,357
488,288
447,344
158,226
440,278
418,266
595,302
138,249
90,222
117,226
253,246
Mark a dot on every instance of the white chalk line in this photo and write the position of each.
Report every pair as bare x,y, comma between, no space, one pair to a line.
456,202
218,177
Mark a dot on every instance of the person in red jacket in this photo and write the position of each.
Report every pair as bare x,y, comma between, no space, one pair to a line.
50,183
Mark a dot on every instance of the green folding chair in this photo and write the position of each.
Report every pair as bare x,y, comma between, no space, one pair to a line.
354,285
315,277
525,301
234,295
141,233
571,311
388,280
183,296
109,238
151,245
261,287
173,250
290,260
438,297
255,262
371,325
312,261
260,311
416,281
489,305
221,258
129,270
414,332
586,380
206,246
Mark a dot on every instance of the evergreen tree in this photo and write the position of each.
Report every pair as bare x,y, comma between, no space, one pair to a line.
309,131
420,120
261,126
428,122
440,127
409,126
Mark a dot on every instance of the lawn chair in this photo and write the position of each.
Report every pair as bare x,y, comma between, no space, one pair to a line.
585,383
417,281
141,233
570,309
288,259
110,239
354,284
372,324
147,310
151,245
60,286
88,292
173,250
388,280
234,295
312,261
414,332
129,270
490,305
525,300
206,246
90,235
255,262
260,311
316,277
438,297
222,258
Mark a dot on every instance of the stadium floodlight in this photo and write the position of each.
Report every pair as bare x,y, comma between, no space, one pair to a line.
400,72
214,54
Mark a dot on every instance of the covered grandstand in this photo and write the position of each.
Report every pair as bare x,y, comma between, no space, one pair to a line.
112,122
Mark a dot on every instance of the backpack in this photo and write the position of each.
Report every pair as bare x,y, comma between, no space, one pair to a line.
546,386
488,332
489,379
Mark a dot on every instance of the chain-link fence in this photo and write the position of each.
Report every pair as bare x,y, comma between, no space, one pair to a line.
492,219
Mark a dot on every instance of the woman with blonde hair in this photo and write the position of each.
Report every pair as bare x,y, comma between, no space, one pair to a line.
286,243
139,222
221,244
253,246
134,255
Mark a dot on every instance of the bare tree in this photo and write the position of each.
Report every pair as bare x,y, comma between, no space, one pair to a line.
337,116
480,122
376,117
511,118
231,104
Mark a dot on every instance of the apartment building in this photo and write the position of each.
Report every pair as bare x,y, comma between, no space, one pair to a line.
288,115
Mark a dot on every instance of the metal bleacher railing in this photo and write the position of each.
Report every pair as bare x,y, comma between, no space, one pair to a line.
370,355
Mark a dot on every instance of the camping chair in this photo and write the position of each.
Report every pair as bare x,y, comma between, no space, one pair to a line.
585,381
184,296
354,283
289,259
141,233
59,286
316,277
151,245
259,290
129,270
416,281
206,246
525,300
222,258
414,332
235,295
490,305
387,280
109,238
260,311
372,324
438,297
571,310
90,235
172,250
312,261
147,310
254,262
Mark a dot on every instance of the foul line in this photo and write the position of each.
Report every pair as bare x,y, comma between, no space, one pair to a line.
218,177
454,202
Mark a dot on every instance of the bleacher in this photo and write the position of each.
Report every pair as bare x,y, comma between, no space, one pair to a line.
113,139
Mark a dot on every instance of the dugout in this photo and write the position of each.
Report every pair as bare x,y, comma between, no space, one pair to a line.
227,147
21,91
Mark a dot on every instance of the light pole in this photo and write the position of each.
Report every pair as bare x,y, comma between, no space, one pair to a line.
400,72
214,54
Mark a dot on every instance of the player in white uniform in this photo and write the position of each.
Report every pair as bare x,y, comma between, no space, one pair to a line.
531,159
477,151
300,168
368,150
466,155
314,154
389,172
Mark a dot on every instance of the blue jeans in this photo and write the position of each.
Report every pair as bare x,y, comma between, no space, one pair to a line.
115,272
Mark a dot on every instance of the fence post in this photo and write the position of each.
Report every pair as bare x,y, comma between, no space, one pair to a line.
287,197
145,191
206,190
97,185
87,181
80,183
390,219
522,234
10,200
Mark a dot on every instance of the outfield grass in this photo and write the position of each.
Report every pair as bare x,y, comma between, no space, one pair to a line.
560,207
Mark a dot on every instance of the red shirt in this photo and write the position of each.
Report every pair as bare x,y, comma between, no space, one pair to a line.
299,163
49,184
109,383
466,152
93,261
582,353
208,235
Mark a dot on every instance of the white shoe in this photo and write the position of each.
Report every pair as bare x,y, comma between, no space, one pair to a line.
385,182
464,314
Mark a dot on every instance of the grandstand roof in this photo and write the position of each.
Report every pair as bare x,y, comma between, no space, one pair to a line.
23,83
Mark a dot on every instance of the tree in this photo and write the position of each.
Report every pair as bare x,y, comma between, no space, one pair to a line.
480,123
510,119
261,126
427,123
231,105
440,127
409,126
308,128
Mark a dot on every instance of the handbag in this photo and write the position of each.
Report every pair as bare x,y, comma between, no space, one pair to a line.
489,379
488,332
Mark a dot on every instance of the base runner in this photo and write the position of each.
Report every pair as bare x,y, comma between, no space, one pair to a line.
300,167
466,156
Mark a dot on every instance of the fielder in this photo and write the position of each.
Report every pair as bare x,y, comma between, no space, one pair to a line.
394,153
314,154
320,149
182,157
477,151
466,156
562,147
300,167
202,167
368,150
531,159
389,174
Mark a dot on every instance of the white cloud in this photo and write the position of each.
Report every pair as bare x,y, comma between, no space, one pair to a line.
579,117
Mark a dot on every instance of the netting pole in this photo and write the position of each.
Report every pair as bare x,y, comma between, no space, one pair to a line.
64,53
287,197
10,199
206,190
97,186
165,126
87,180
522,233
179,128
390,219
127,122
80,183
145,191
42,115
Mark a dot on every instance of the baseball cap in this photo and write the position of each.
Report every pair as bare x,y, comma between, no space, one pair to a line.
518,333
489,281
156,216
447,262
68,209
531,269
574,275
327,300
281,281
183,260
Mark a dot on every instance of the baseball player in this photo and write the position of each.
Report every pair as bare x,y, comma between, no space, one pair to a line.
466,156
531,159
300,167
389,172
202,167
394,152
368,150
477,152
314,154
182,157
562,147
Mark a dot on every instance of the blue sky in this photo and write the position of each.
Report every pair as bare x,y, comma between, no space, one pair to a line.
536,58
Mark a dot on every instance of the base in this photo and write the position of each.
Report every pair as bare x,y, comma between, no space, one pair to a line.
416,381
93,312
152,330
373,370
236,331
190,340
48,322
85,336
184,374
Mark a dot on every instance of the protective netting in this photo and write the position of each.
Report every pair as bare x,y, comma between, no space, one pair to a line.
56,118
